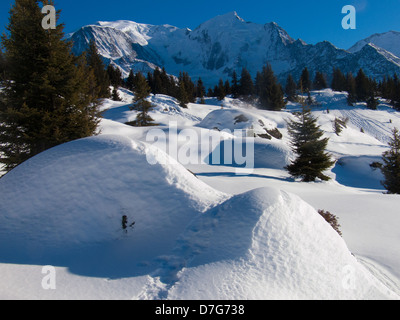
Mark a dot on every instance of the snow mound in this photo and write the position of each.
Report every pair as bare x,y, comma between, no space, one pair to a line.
77,194
234,119
268,244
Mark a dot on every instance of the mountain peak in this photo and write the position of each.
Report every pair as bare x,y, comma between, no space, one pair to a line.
225,20
387,40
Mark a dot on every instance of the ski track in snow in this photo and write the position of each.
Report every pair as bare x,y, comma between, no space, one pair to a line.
370,125
382,274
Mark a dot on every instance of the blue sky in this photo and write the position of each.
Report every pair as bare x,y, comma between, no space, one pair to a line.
311,20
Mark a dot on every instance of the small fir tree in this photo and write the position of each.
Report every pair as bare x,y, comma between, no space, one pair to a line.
320,81
309,146
246,84
235,85
96,64
269,90
183,96
305,80
291,89
142,92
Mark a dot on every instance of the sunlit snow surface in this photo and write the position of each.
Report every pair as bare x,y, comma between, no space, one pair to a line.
215,235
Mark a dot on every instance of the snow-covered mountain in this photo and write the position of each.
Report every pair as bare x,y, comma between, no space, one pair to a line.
389,41
222,45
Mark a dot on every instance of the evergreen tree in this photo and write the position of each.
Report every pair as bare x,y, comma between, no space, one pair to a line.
235,85
220,90
168,83
338,80
140,102
246,85
115,96
183,96
188,86
227,88
305,80
320,81
351,89
200,89
391,165
2,66
269,90
395,93
130,81
96,64
115,76
363,88
291,89
50,99
310,148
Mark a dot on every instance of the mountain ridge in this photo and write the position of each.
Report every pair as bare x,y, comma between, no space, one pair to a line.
222,45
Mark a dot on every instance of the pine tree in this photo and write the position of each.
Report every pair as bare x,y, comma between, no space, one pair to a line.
183,96
188,86
246,85
362,86
115,96
235,85
305,80
310,148
320,81
115,76
269,90
220,90
50,98
351,89
140,102
200,89
227,88
291,89
2,66
338,80
130,81
391,165
96,64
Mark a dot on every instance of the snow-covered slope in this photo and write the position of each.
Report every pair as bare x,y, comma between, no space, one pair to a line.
220,46
263,244
389,41
76,194
268,244
216,235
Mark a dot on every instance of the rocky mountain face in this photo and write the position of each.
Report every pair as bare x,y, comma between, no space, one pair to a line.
222,45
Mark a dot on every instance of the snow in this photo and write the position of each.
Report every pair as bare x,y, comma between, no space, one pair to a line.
388,41
216,235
